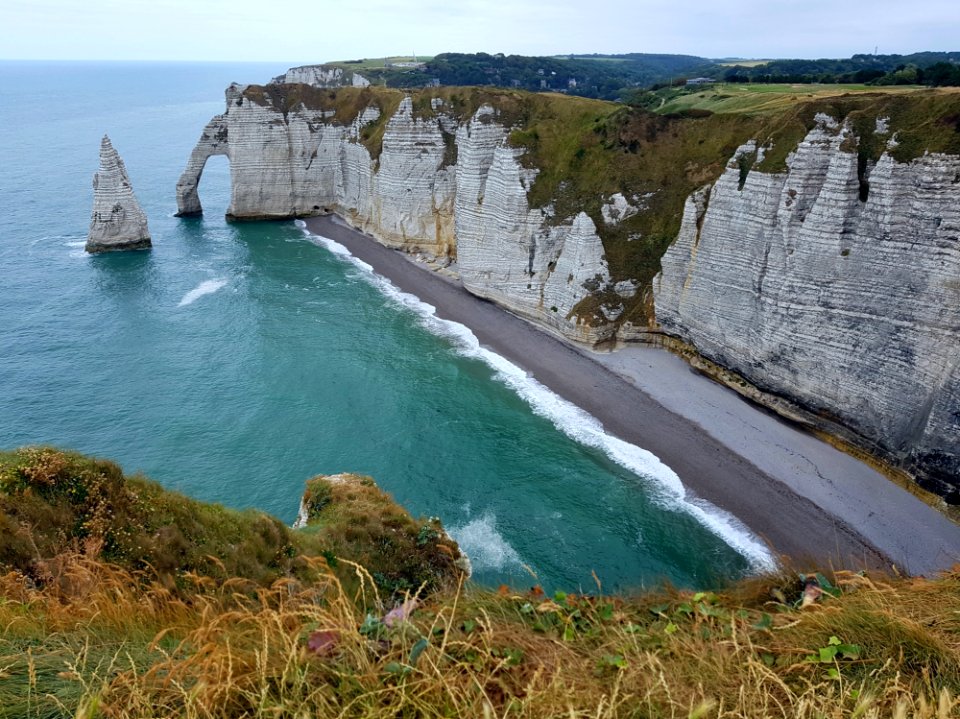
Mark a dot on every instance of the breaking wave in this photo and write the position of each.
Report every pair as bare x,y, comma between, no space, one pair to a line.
573,421
207,287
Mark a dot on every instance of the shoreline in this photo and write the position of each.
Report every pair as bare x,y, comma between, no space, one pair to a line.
768,492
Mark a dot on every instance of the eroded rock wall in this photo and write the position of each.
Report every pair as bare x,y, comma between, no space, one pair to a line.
836,286
452,188
323,76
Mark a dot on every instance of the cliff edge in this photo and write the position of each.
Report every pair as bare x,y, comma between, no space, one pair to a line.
121,599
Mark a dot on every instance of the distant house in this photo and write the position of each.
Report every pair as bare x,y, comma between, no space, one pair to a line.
572,83
543,84
700,80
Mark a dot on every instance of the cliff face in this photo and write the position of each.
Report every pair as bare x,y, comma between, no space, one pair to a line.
117,221
322,76
835,284
452,187
832,285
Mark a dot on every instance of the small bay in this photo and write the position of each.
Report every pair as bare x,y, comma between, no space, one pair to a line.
233,361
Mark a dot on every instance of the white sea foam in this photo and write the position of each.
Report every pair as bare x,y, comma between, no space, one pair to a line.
573,421
207,287
77,243
484,545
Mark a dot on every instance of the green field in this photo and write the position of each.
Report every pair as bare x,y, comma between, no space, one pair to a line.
760,98
376,63
743,63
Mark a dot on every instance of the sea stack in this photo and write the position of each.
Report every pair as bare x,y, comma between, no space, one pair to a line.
118,222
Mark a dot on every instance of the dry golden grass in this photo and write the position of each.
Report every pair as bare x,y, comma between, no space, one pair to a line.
91,633
108,643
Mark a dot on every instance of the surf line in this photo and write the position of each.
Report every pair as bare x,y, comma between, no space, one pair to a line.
570,419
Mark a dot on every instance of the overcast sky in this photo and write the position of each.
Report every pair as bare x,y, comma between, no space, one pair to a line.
255,30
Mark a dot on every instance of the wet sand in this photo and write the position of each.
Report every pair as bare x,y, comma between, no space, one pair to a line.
770,492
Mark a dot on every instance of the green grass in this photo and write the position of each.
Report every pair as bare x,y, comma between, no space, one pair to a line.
760,98
129,521
375,63
53,503
743,63
351,517
97,635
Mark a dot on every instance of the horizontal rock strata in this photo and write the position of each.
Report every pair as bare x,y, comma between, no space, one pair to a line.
117,221
453,189
836,286
322,76
833,286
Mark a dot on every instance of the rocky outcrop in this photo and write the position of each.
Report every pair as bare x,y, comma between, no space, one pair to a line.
453,188
521,258
361,521
617,209
117,221
835,285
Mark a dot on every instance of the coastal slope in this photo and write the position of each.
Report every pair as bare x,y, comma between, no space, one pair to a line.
197,610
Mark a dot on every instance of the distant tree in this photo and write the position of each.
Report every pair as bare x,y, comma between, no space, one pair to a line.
942,74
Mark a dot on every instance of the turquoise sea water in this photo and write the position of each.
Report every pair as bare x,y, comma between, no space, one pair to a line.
233,361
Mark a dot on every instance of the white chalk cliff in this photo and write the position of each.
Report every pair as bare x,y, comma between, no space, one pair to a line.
834,286
117,221
448,188
836,289
322,76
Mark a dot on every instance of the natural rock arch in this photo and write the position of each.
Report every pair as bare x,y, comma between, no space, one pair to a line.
213,141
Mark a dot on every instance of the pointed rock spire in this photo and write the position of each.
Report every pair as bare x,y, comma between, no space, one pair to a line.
117,222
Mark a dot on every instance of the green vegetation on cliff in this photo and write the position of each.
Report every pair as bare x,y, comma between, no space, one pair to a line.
612,77
586,150
96,633
55,503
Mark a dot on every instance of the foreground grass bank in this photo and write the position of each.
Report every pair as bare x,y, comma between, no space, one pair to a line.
308,631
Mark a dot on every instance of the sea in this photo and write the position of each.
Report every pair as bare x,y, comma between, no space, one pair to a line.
234,361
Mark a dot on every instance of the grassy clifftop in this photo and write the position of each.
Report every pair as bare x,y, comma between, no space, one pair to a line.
91,631
55,504
587,150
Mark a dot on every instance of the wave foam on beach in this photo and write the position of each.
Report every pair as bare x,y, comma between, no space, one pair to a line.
573,421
